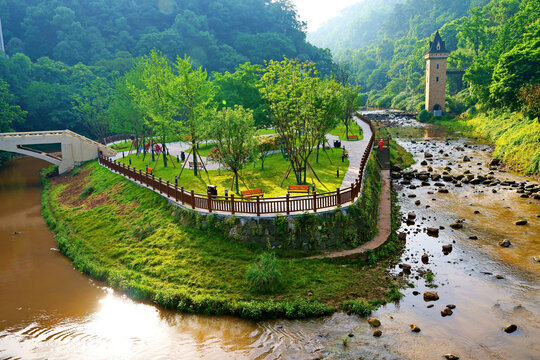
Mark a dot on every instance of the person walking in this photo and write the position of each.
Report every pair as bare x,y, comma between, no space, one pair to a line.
381,144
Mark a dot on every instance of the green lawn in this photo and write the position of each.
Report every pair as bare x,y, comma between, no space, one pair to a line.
268,179
354,129
267,131
129,237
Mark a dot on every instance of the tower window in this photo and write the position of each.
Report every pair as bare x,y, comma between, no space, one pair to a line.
437,79
437,66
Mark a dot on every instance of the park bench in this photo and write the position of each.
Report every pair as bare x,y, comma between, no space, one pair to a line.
192,164
353,137
299,189
252,193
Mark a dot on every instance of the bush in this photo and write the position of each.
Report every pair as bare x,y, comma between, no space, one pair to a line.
424,116
264,276
359,307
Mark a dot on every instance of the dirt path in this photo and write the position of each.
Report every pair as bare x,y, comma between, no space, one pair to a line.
384,224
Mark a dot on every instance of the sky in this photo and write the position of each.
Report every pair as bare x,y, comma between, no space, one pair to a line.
316,12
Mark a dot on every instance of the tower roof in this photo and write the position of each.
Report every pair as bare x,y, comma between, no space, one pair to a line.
437,45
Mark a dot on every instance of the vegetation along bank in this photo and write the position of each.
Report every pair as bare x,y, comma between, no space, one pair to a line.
132,239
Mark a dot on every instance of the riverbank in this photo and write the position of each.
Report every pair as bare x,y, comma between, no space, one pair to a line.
130,238
516,138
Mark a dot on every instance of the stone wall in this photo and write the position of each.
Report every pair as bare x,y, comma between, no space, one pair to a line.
338,229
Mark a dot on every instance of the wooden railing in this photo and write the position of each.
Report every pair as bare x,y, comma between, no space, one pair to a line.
239,205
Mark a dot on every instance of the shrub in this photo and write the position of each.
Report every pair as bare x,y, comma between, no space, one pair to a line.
75,171
394,295
264,276
360,307
424,116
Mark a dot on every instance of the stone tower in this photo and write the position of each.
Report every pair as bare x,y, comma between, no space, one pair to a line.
436,75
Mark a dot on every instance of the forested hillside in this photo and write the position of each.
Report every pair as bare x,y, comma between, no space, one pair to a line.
217,34
63,53
495,42
355,27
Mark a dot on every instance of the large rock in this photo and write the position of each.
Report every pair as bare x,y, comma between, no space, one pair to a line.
425,258
510,328
414,328
447,249
377,333
505,243
446,312
456,225
521,222
374,322
536,258
428,155
432,231
411,216
451,357
431,296
494,162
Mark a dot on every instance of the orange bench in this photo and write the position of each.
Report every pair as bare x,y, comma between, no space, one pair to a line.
252,193
299,189
353,137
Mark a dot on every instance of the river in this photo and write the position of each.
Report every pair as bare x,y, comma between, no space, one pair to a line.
48,310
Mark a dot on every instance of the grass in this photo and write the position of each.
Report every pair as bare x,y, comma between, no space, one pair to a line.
267,131
130,238
268,180
354,129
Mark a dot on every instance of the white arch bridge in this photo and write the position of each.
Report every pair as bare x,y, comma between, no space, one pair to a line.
76,148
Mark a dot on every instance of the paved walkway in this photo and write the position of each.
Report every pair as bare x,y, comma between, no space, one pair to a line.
355,149
384,224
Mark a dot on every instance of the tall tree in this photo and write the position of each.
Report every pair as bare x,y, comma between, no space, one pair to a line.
233,131
352,100
93,106
11,115
193,93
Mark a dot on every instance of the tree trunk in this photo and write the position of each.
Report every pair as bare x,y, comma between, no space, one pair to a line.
163,152
317,160
236,181
195,159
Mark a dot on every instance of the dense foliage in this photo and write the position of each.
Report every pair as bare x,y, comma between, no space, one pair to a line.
495,43
217,34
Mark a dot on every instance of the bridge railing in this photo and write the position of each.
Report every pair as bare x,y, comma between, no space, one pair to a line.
238,205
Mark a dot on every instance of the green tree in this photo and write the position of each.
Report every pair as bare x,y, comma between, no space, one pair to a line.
233,131
351,103
473,31
93,106
193,93
11,116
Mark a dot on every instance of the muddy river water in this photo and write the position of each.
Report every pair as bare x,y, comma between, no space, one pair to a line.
48,310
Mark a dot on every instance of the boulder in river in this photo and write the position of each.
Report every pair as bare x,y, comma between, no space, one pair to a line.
447,249
428,155
505,243
521,222
411,216
510,328
377,333
536,258
425,258
423,163
473,237
431,296
432,231
446,312
456,225
443,191
374,322
451,357
494,162
466,159
414,328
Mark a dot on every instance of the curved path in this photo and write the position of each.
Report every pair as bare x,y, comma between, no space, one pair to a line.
355,149
384,224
